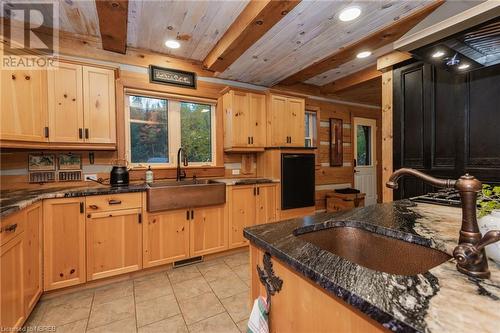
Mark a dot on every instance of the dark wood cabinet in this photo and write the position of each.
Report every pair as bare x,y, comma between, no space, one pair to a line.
446,124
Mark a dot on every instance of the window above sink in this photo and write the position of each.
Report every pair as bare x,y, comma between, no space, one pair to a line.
156,127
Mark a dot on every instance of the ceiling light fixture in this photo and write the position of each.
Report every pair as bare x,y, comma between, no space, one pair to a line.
172,44
463,66
363,54
349,14
438,54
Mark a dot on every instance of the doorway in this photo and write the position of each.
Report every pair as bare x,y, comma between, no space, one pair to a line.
365,158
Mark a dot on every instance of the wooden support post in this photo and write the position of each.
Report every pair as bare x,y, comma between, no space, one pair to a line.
387,135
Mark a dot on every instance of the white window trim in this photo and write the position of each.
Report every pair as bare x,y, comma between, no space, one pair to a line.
313,135
173,131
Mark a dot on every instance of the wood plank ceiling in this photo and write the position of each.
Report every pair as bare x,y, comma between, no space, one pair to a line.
305,33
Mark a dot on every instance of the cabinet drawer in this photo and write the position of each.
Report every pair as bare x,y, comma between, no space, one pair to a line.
107,202
11,226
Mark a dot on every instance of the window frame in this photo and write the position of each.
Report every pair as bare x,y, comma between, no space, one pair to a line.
313,127
173,130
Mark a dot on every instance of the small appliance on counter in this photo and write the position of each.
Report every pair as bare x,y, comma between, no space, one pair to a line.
119,174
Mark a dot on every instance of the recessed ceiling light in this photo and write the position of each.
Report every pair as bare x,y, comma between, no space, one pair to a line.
349,14
172,44
463,66
438,54
363,54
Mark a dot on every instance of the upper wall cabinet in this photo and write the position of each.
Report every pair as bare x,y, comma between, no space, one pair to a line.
285,121
81,104
244,120
24,105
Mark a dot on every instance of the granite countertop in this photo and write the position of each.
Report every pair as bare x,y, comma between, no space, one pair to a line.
13,200
440,300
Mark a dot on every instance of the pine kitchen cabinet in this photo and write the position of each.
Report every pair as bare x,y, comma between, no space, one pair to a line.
249,205
64,242
24,105
285,121
244,120
179,234
21,265
81,104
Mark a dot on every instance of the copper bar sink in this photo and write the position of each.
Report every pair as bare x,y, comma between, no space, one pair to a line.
376,252
169,195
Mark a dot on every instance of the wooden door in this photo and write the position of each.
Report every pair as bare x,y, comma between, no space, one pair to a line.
208,230
296,122
266,204
23,105
114,243
33,256
12,311
65,100
99,105
64,242
365,155
257,122
279,122
241,213
166,237
240,118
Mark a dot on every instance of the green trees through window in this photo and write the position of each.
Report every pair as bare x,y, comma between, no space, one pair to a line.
196,134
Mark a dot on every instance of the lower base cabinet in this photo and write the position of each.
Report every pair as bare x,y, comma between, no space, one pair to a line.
114,243
179,234
20,266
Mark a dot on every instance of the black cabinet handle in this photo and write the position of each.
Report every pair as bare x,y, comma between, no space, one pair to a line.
81,207
192,214
46,131
114,202
187,214
254,191
86,133
80,133
139,218
251,138
258,190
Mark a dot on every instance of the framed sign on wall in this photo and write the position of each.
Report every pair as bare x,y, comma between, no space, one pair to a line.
172,77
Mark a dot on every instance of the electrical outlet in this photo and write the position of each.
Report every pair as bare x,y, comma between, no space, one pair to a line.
235,171
90,176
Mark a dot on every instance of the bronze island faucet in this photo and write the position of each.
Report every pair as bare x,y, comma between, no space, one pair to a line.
469,253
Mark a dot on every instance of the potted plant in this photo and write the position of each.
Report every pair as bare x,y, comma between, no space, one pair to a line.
488,203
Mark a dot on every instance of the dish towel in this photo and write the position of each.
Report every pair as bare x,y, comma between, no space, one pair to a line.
258,321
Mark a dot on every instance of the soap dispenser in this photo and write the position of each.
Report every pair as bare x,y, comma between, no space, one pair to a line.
149,175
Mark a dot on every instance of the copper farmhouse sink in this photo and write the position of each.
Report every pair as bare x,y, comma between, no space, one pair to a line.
169,195
376,252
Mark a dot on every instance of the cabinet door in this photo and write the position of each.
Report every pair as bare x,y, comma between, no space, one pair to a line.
64,242
279,122
166,237
240,119
266,204
296,121
65,103
257,122
23,105
114,243
32,256
99,105
241,212
12,312
208,231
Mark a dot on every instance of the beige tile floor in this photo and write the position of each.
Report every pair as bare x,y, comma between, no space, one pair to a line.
212,296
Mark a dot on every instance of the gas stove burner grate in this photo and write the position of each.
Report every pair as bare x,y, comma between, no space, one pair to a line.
442,197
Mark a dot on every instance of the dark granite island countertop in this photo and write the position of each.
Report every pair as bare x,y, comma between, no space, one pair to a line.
13,200
440,300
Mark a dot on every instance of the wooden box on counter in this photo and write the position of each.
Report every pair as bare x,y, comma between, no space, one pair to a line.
339,201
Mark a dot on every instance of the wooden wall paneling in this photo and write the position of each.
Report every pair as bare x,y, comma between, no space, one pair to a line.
113,17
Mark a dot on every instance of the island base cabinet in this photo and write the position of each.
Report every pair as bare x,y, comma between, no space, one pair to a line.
12,311
300,306
63,242
114,243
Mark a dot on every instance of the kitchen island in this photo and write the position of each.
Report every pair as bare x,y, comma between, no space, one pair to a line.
438,300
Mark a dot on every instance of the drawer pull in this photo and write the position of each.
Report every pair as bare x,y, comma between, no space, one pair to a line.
114,202
93,207
10,228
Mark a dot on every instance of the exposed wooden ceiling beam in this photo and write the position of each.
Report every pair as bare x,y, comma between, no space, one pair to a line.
113,17
253,22
348,81
372,42
390,59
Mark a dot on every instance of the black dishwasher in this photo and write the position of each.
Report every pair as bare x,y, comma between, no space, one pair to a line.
297,180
